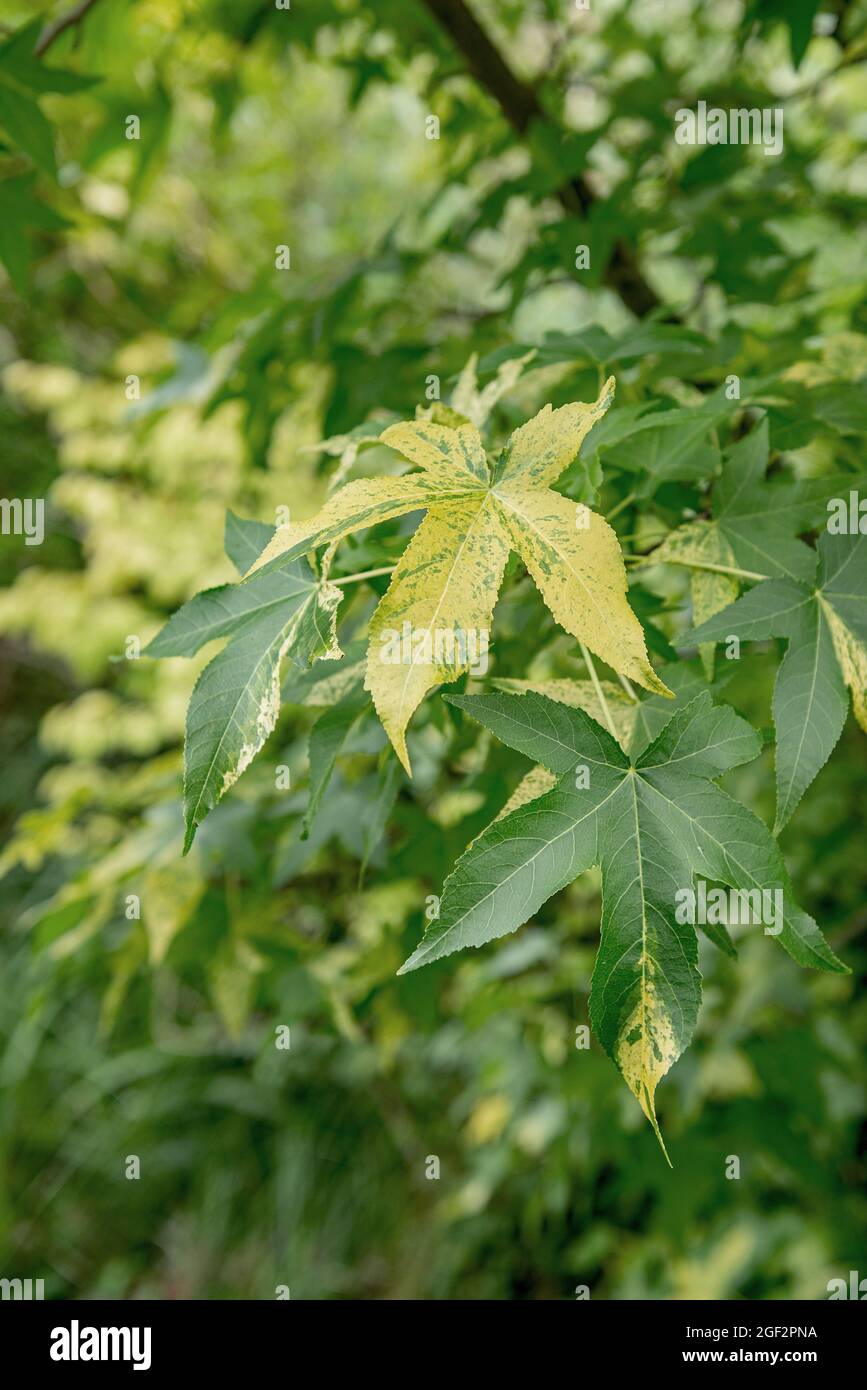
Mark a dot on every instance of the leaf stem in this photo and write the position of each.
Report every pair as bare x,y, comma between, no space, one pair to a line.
628,687
694,565
365,574
621,505
600,694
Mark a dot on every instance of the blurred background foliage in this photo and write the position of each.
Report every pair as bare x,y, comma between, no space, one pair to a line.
152,261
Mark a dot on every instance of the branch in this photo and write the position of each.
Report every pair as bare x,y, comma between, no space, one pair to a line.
520,106
59,26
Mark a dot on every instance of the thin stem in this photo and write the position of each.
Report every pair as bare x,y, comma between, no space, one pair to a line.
365,574
600,694
694,565
626,502
59,26
628,687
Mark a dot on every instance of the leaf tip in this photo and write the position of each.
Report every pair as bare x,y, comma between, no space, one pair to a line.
649,1108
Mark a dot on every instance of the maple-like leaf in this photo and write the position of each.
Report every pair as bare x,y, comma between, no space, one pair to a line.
653,825
752,534
236,700
824,618
634,720
443,591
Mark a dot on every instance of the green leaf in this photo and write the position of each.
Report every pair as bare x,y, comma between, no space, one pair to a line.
755,523
797,15
387,788
653,826
18,63
826,629
21,211
244,540
234,705
27,127
327,737
753,532
667,445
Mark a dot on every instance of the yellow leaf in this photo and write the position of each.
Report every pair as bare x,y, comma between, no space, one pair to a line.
361,503
575,560
532,785
170,894
649,1046
434,621
538,451
852,656
447,454
711,593
477,405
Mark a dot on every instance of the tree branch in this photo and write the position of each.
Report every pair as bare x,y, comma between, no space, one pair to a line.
520,106
60,25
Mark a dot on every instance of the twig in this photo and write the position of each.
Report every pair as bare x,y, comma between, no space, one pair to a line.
60,25
600,694
521,107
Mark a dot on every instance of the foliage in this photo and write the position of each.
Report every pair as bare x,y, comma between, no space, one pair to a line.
176,396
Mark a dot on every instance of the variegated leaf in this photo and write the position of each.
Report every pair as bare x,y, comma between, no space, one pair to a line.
652,826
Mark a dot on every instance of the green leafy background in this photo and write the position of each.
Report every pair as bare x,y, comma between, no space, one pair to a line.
155,259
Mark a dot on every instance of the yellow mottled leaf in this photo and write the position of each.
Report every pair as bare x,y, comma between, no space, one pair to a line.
538,451
852,656
434,621
536,783
705,551
447,455
361,503
575,560
649,1044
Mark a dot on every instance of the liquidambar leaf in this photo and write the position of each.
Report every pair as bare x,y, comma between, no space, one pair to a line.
433,623
236,700
752,534
362,503
582,694
826,627
653,826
